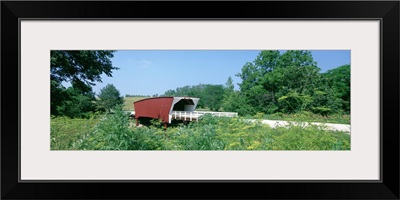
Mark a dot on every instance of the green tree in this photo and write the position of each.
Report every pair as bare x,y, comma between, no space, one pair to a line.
212,96
294,102
300,58
229,85
273,75
287,82
234,101
81,69
251,86
237,102
325,102
74,103
339,80
108,98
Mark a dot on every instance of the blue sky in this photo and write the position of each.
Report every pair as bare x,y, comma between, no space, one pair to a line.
149,72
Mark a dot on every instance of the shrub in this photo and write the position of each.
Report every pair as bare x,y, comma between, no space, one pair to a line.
111,133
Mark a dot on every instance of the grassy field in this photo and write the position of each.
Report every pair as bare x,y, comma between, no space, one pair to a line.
128,103
66,132
115,132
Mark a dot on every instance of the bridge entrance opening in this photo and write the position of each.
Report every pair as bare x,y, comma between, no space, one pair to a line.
184,105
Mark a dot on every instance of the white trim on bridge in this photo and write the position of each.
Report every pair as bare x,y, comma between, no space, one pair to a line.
195,115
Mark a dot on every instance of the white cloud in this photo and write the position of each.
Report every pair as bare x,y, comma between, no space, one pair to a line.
145,63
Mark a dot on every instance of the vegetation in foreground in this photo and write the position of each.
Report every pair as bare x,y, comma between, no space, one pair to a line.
115,132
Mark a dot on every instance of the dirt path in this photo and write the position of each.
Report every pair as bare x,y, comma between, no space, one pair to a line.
327,126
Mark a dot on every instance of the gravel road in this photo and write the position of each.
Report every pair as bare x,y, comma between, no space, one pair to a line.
327,126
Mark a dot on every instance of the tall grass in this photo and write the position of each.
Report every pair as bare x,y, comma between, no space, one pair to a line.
64,131
114,132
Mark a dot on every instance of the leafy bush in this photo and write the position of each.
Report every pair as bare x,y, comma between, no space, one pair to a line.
111,133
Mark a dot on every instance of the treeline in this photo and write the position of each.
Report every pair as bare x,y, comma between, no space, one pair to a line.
211,96
290,82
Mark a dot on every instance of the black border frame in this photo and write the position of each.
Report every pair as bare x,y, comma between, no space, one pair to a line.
386,11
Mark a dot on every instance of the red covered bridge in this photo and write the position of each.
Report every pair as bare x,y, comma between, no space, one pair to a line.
164,107
168,108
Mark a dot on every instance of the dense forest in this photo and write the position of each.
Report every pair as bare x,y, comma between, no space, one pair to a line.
290,82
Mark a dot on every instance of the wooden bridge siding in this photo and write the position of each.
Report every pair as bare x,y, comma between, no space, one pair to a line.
156,108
